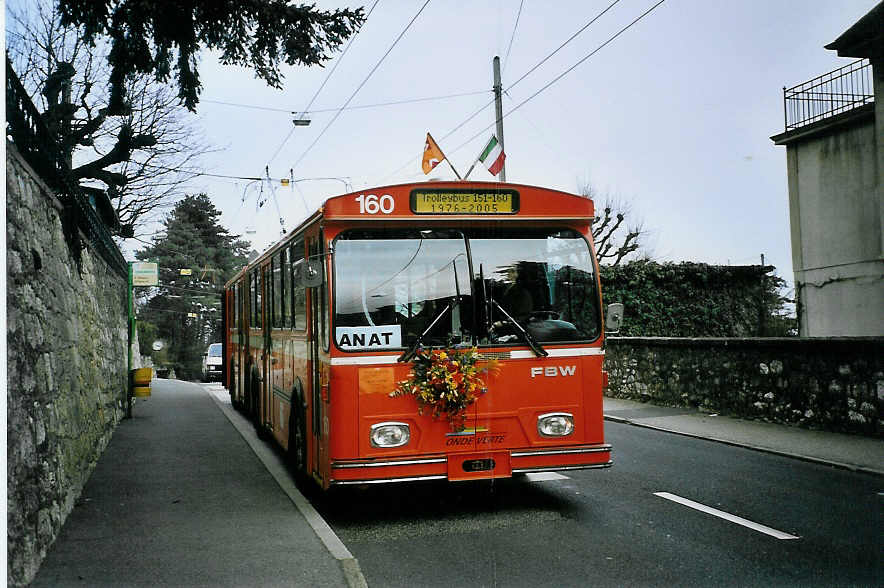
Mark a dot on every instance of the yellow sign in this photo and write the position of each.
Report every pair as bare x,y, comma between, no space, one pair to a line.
141,391
185,271
191,315
464,202
144,274
142,376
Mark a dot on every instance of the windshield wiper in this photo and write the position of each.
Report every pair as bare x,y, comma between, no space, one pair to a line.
536,347
409,353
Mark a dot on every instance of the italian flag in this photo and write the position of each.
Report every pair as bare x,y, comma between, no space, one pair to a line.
492,156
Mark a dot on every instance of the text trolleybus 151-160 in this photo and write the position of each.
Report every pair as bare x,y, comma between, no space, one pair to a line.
327,324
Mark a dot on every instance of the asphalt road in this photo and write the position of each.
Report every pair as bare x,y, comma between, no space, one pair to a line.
611,528
778,522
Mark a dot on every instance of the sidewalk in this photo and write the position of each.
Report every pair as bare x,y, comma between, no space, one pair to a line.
179,498
853,452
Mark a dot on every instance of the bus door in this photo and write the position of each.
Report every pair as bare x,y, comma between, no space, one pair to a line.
266,355
317,408
241,339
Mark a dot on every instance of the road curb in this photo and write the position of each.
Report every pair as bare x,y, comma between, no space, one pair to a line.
336,548
353,573
762,449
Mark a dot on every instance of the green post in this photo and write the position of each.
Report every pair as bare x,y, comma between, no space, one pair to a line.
130,308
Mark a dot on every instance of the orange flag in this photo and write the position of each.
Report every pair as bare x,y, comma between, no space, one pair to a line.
433,156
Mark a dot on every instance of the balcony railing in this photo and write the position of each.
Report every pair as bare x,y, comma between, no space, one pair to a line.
832,93
27,130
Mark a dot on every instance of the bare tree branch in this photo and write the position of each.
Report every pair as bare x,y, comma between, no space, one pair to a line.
141,160
611,246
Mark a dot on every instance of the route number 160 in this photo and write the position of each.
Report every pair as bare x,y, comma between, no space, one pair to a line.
372,204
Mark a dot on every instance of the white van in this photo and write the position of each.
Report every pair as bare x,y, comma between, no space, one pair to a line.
212,363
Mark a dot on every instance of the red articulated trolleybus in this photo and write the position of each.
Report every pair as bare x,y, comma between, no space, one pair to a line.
495,284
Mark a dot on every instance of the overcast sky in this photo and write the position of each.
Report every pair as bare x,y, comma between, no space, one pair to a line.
672,117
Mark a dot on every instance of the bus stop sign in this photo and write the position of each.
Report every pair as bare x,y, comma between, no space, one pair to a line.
144,274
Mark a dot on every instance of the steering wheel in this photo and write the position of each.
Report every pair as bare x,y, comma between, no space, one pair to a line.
541,315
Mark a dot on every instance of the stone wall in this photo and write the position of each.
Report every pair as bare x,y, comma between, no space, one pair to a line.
66,358
835,384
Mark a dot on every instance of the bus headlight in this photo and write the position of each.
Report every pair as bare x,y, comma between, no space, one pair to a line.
390,435
555,424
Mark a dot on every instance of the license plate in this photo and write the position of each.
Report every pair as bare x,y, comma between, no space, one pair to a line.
477,466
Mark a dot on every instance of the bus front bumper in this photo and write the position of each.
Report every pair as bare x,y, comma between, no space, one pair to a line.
471,466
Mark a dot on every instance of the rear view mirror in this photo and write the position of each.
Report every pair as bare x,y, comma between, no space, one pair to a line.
613,317
311,273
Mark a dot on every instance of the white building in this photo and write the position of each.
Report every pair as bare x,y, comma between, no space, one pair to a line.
834,142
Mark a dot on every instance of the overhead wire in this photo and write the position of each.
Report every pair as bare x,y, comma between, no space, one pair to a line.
377,65
525,75
560,47
560,76
248,178
566,72
355,107
321,86
506,58
515,108
294,127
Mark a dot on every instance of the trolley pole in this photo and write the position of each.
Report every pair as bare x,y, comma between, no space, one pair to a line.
498,108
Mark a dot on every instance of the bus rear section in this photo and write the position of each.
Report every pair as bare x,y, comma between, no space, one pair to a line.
522,295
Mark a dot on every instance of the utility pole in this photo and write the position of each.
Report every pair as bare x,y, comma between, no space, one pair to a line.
498,108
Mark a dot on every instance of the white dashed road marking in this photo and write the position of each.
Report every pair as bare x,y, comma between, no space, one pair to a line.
545,477
726,516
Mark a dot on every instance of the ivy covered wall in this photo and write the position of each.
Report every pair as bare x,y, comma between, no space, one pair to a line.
66,367
697,300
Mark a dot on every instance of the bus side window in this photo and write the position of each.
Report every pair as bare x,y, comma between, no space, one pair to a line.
252,300
284,287
240,305
234,323
299,296
256,293
275,291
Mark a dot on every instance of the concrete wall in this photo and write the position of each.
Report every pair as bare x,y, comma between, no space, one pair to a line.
66,358
826,383
835,206
878,89
836,217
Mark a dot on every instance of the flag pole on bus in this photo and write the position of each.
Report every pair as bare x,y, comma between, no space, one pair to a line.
433,156
492,156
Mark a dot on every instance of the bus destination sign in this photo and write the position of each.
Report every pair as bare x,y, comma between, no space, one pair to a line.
455,201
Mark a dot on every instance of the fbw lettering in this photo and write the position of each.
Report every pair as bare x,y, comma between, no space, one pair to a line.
554,371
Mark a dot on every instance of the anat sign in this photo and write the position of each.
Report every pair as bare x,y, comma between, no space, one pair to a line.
378,337
554,371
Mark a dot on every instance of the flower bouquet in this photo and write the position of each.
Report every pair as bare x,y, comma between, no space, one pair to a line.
446,382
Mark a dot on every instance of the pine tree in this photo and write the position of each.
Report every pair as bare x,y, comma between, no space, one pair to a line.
184,310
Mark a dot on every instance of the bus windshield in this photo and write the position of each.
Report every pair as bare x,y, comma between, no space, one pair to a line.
471,286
